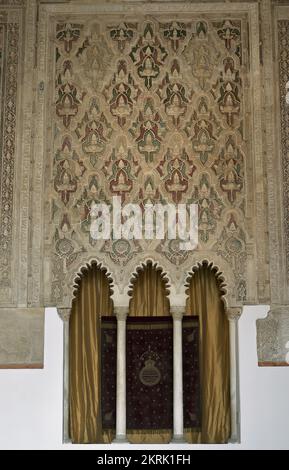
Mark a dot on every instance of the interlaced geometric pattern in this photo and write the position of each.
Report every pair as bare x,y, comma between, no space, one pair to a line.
150,110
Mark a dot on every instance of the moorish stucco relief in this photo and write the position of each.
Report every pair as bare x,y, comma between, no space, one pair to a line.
167,103
152,110
9,124
283,55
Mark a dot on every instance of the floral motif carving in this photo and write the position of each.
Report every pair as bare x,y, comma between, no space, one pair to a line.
122,93
121,251
210,207
229,169
230,32
202,55
68,96
94,132
122,34
148,131
174,95
171,250
232,245
69,170
150,110
121,169
95,57
175,33
227,91
68,33
148,55
176,169
203,129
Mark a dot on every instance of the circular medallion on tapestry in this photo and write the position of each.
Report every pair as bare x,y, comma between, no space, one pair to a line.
150,374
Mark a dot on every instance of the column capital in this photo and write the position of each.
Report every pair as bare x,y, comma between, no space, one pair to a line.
177,312
233,313
121,313
64,313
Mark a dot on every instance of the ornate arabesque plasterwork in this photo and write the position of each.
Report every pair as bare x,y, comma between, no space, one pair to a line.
146,126
9,78
283,54
151,128
12,2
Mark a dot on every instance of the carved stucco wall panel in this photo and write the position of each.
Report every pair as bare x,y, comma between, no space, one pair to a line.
111,103
10,58
22,328
272,332
272,337
173,135
21,338
282,36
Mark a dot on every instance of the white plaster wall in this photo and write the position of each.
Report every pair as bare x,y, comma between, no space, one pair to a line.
31,400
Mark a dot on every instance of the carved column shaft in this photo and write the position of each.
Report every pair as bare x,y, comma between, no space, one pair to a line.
233,315
121,314
178,410
64,314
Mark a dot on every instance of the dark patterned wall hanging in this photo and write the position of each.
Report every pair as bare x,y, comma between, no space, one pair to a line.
191,373
108,371
150,373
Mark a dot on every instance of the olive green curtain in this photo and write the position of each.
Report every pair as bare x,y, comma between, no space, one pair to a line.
204,300
92,301
149,298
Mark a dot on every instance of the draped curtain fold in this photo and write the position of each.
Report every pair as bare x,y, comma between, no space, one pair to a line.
92,301
204,301
149,298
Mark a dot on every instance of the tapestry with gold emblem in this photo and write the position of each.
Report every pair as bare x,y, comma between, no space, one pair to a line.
149,373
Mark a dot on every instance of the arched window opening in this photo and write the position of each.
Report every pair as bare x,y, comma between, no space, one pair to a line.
149,293
92,301
149,353
205,289
148,372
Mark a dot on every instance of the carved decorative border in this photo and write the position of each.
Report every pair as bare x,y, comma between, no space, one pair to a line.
283,60
10,26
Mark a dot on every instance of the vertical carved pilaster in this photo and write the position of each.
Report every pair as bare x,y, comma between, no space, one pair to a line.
121,315
233,315
178,411
64,314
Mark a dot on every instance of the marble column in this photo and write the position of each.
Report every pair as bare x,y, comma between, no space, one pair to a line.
121,314
64,314
178,408
233,315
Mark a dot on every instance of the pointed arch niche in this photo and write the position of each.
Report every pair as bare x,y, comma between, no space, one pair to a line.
149,289
149,317
206,291
148,298
82,356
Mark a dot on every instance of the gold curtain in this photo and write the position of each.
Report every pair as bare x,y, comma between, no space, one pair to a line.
149,299
204,300
92,301
149,294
